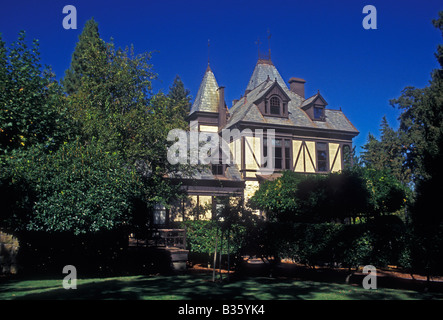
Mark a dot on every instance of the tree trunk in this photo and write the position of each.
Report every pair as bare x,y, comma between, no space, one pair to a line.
229,259
220,260
215,257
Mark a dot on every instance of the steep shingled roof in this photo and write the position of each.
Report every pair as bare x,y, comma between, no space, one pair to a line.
246,110
207,95
263,70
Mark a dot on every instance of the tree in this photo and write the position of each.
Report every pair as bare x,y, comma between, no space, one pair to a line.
113,104
337,196
89,41
386,154
111,92
77,189
33,118
386,193
421,122
181,99
278,197
32,110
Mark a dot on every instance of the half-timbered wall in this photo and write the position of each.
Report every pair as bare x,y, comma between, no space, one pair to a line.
308,156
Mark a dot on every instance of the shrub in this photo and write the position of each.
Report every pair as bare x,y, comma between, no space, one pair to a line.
200,239
378,244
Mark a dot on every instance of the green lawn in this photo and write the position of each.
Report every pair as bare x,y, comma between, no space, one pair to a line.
197,286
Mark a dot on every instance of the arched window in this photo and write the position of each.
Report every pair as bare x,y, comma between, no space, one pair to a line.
275,105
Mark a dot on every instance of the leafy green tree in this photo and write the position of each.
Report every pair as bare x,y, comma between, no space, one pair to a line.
49,181
337,196
77,189
278,197
386,193
32,117
114,105
31,104
112,92
421,122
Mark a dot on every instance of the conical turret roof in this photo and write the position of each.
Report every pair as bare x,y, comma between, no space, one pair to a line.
207,95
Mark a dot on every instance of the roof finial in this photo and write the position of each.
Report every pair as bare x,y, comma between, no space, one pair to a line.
269,43
208,50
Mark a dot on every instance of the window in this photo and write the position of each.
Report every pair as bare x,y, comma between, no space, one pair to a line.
278,163
159,214
287,154
318,113
275,106
282,153
322,157
217,169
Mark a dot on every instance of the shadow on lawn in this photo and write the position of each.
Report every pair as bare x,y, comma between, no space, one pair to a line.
200,287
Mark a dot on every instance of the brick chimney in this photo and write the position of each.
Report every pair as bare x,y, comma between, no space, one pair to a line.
297,86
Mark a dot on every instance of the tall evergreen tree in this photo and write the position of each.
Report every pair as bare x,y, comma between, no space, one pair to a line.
372,150
114,105
90,45
181,99
386,154
421,122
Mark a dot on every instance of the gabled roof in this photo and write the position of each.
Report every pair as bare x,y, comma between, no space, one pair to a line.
263,70
207,95
245,110
312,99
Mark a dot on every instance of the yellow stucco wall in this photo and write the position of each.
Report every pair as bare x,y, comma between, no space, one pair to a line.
235,147
252,153
310,159
297,151
335,154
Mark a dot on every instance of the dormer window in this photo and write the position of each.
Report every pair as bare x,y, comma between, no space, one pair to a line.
275,106
315,107
319,113
273,102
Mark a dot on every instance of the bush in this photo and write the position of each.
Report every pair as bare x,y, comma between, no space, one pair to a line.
200,239
379,243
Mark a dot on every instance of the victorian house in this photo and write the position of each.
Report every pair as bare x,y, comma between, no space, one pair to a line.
309,137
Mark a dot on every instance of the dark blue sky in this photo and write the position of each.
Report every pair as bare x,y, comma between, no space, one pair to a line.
321,41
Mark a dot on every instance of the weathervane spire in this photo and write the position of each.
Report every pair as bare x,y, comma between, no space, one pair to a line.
258,47
209,45
269,43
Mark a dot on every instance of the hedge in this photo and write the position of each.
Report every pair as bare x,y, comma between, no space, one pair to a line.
382,242
333,244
